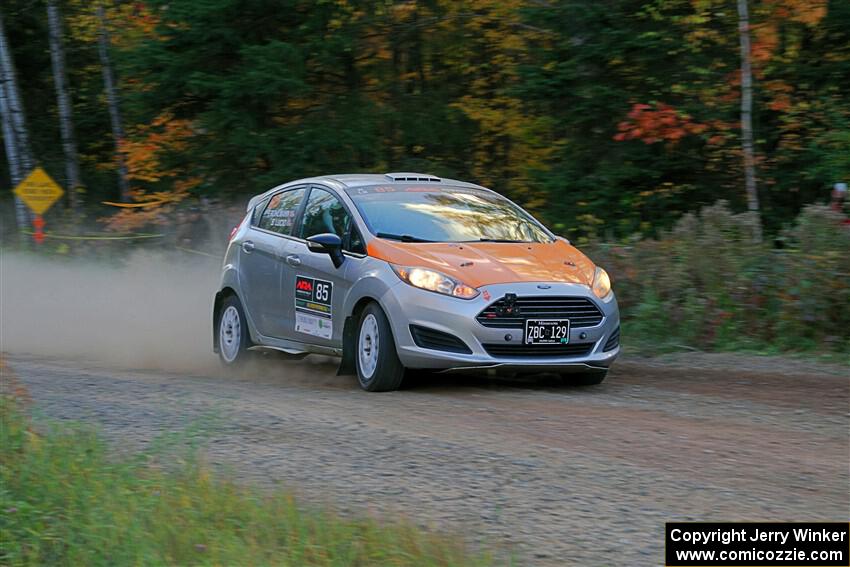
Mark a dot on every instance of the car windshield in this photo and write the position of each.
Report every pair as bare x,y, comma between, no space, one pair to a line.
413,214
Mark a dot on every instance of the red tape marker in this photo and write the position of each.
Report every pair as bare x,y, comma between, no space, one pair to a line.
38,225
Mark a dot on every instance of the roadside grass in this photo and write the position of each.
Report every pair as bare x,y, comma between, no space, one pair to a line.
639,341
636,341
647,347
64,500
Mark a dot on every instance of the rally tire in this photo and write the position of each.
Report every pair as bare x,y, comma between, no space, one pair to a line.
378,366
232,332
586,378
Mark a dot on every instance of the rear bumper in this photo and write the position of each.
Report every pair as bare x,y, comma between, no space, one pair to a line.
406,305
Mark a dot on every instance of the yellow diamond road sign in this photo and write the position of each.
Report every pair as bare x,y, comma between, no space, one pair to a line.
38,191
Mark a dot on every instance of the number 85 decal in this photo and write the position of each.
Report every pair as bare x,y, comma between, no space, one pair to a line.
323,292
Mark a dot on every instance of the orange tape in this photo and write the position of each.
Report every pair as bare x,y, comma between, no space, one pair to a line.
133,205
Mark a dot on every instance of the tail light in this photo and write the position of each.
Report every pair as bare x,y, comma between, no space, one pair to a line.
236,228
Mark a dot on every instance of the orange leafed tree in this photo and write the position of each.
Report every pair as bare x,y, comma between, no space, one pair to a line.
772,14
155,184
658,123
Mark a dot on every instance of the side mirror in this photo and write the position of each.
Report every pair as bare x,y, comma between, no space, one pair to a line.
327,243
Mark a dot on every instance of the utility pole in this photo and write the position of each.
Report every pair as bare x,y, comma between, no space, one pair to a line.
112,101
747,108
63,102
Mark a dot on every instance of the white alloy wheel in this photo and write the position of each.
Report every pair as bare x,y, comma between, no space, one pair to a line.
378,366
230,334
368,344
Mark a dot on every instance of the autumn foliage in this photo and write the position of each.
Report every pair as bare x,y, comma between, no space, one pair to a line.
620,116
163,186
661,123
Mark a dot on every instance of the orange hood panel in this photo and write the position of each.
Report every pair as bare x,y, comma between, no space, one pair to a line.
485,263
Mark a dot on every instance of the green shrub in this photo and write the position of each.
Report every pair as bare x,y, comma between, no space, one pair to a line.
64,501
708,283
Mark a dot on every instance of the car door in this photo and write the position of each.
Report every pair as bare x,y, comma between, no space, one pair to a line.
320,288
263,256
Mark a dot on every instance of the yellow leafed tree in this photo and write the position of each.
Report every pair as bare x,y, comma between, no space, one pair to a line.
510,143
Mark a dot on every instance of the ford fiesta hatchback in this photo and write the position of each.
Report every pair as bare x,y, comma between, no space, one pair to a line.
410,271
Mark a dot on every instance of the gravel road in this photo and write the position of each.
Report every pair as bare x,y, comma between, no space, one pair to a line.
560,475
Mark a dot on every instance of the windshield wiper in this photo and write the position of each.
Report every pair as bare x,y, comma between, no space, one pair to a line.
401,237
499,240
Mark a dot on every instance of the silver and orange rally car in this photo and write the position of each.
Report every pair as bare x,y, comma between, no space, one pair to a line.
410,271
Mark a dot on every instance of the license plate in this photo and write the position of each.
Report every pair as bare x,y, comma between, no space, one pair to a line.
547,331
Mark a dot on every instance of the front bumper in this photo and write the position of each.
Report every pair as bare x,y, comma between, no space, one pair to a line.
406,305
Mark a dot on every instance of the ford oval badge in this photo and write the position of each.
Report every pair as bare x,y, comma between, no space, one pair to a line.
544,286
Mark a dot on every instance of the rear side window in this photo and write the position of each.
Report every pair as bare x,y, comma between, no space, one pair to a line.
257,212
279,215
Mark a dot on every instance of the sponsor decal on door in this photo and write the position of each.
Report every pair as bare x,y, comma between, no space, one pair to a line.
313,307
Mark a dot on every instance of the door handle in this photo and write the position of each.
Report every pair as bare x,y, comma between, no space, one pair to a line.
248,246
293,260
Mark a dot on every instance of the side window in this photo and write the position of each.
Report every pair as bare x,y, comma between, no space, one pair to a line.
324,213
279,215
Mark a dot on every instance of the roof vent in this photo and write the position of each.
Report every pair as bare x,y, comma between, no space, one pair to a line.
408,176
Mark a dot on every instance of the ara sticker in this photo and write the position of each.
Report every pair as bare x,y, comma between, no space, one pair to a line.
313,312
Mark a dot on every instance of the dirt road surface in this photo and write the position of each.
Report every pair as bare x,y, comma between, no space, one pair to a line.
560,475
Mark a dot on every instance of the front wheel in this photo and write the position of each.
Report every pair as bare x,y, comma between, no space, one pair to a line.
233,339
585,378
378,366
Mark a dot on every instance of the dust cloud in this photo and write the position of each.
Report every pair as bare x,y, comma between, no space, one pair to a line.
153,310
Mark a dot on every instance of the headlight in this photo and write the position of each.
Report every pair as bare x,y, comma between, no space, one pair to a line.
435,281
601,283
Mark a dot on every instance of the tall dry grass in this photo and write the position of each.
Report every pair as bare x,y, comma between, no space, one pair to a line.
707,284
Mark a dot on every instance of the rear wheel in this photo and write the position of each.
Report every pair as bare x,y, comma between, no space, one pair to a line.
378,366
233,339
585,378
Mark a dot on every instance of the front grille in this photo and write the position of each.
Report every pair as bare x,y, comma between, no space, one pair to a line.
579,310
537,351
437,340
613,341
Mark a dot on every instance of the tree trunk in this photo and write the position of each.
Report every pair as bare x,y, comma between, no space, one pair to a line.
15,137
112,101
12,157
13,101
747,107
63,102
9,140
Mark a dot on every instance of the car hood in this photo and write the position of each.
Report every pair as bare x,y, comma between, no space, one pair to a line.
485,263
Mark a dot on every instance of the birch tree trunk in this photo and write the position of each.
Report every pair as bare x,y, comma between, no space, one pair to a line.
12,157
13,101
747,107
63,102
10,143
112,101
16,140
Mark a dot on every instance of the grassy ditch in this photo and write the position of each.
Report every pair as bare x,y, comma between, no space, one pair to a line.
64,500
